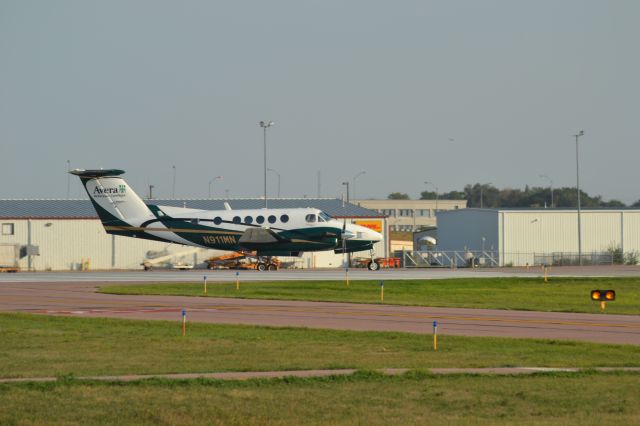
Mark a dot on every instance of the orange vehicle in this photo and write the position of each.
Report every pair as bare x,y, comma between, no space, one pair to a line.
377,263
240,260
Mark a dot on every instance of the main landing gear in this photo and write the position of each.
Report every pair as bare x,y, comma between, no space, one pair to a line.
372,265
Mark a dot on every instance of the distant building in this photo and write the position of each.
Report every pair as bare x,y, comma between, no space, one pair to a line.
536,236
411,215
67,234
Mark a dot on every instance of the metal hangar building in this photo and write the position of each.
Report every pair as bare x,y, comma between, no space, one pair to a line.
533,236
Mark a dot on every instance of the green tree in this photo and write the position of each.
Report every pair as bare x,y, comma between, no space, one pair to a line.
429,195
613,204
398,196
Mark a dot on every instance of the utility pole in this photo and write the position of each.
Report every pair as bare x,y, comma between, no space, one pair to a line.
265,126
580,133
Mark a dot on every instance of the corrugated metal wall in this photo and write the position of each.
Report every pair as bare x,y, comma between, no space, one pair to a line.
521,234
464,229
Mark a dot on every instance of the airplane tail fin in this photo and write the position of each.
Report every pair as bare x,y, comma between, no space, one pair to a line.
117,205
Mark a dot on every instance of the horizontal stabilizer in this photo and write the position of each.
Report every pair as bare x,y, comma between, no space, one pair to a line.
96,173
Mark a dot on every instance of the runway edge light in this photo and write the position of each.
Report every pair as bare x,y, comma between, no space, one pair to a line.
603,295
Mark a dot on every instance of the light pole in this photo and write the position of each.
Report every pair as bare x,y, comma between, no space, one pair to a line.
354,183
211,183
272,170
482,193
550,186
345,219
347,185
436,188
265,126
580,133
173,191
68,179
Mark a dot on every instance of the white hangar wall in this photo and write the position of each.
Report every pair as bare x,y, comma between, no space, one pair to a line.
518,235
65,243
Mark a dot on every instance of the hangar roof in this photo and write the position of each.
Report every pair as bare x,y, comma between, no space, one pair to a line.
538,210
82,209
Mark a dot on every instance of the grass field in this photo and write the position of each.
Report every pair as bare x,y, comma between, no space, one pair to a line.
532,294
366,398
35,345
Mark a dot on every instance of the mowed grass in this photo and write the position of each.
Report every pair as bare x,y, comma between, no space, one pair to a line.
530,294
38,345
366,398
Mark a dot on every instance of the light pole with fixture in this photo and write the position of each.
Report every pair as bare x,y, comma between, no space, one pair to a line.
550,186
265,125
212,181
278,174
354,183
68,179
345,222
347,185
436,188
482,193
173,191
580,133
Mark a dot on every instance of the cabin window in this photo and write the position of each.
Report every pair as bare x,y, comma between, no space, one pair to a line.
284,218
310,218
260,219
236,219
272,219
217,220
195,221
8,229
248,219
324,217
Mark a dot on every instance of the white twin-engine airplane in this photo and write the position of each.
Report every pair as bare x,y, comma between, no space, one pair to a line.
268,232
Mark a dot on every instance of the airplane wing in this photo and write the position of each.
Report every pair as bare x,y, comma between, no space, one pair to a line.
253,236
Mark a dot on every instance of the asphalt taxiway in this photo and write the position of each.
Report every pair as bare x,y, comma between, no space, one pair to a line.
58,294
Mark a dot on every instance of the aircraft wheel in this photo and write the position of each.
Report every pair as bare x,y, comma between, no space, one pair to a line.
373,266
261,267
272,267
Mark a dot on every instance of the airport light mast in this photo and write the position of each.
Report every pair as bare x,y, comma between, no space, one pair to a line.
354,183
265,125
437,194
580,133
550,187
212,181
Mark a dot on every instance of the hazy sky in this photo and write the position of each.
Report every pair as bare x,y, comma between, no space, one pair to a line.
447,91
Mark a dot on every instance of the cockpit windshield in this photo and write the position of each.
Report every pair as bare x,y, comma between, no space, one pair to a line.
323,217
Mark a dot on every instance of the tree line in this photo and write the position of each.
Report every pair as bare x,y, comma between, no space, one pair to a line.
484,195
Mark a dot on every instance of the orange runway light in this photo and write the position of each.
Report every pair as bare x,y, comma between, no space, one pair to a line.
603,295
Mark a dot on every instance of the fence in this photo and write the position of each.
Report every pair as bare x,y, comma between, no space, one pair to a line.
491,258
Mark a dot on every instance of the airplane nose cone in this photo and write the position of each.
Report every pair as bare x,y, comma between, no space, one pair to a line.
375,236
364,234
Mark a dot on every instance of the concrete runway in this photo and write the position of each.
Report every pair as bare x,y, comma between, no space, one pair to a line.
71,294
248,275
319,274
